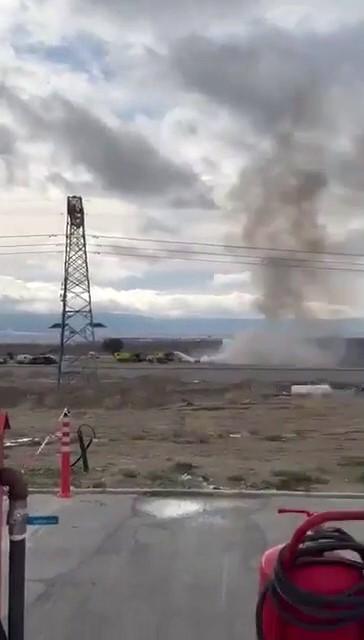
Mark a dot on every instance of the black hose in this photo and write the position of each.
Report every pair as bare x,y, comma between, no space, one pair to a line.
17,518
84,447
3,635
328,611
16,589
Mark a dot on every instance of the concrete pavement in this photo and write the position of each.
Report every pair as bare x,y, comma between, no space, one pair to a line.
138,568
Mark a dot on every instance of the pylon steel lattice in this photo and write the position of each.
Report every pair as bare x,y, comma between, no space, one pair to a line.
77,323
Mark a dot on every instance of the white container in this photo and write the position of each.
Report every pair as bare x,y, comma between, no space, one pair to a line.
311,390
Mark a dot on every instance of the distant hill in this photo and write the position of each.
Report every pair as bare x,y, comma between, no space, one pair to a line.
30,327
33,327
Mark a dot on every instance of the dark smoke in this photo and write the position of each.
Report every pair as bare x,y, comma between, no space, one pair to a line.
280,197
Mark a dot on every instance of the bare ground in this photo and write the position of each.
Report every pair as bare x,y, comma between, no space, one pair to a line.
160,432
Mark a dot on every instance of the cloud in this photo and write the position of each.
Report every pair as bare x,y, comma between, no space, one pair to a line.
272,75
231,279
122,160
7,154
158,303
190,202
150,110
151,225
84,53
18,295
7,141
40,296
168,19
119,158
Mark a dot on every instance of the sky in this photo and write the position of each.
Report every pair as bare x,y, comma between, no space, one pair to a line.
154,112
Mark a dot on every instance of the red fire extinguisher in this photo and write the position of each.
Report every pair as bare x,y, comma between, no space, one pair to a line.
312,588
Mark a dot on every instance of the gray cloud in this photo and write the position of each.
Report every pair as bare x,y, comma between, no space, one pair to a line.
7,141
71,186
347,166
170,17
149,224
202,201
121,159
272,76
7,153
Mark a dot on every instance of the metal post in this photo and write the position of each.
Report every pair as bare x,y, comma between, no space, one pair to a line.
17,524
65,485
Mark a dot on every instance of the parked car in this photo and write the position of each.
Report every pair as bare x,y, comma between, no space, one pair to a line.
125,358
44,359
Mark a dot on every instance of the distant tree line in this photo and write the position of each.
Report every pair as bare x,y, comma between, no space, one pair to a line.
112,345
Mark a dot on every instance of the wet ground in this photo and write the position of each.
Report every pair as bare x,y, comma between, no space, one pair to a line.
153,569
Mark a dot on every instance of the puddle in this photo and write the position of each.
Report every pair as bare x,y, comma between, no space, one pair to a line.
169,508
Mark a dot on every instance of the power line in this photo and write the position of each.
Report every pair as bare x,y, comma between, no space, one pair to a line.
344,267
197,244
188,252
134,251
33,244
228,246
28,253
253,261
34,235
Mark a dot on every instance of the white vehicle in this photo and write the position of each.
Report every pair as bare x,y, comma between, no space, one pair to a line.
23,358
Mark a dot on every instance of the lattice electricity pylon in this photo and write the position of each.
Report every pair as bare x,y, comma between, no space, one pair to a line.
77,323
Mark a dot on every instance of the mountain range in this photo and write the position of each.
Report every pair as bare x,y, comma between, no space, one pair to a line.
34,327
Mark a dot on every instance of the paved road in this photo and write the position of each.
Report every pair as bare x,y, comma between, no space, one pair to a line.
230,374
211,373
151,569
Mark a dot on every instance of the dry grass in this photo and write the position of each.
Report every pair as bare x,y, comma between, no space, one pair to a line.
292,480
155,435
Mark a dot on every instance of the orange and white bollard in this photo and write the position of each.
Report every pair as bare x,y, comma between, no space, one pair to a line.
65,466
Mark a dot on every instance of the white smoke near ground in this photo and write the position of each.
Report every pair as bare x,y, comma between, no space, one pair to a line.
271,348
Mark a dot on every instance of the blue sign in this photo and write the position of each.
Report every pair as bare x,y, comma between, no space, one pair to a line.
42,521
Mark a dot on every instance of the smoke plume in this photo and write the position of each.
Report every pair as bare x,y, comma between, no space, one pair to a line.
280,199
298,95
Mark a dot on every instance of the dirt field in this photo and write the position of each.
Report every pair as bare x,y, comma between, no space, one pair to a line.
160,432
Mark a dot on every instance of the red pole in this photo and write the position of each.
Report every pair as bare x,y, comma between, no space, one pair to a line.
65,488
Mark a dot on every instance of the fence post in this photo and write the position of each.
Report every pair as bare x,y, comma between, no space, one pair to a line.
65,467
